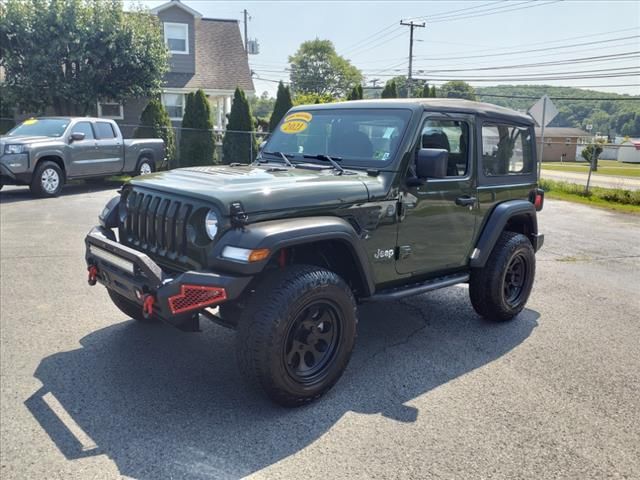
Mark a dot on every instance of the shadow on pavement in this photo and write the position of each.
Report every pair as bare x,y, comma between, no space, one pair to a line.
164,404
11,194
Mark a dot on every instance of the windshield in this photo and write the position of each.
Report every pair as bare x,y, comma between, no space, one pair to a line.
43,127
366,136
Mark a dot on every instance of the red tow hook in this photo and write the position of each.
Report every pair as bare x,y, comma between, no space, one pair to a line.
147,306
93,275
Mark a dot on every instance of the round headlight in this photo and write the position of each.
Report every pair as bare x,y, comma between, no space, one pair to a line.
211,224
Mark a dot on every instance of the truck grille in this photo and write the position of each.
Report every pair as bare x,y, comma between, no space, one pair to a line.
156,224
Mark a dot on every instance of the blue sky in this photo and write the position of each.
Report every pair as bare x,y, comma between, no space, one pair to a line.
460,35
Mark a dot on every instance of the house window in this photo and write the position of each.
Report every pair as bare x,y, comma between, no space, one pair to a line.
174,104
108,109
176,36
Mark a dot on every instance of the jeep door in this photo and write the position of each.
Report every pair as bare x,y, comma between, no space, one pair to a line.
438,216
82,153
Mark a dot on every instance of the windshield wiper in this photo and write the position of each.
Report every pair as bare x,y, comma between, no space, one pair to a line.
278,154
332,160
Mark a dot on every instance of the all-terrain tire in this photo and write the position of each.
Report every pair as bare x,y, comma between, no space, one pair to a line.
47,180
300,320
129,308
500,290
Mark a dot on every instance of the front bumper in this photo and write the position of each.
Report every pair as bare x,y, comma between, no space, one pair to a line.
135,276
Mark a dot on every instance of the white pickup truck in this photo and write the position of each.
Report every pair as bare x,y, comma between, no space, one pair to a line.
44,153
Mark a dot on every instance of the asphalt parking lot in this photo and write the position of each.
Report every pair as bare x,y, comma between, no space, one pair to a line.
432,391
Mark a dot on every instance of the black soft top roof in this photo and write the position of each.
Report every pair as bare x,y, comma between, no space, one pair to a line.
449,105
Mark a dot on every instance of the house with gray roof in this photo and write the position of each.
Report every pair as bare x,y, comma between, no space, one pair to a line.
206,53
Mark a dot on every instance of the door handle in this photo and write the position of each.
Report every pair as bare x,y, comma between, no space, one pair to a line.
465,201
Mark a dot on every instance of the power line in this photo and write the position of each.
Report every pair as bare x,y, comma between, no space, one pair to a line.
521,7
598,42
527,97
436,15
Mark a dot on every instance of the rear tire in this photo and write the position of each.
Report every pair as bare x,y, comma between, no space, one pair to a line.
296,334
145,166
500,290
129,308
47,180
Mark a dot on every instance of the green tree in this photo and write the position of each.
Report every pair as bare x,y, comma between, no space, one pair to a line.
426,91
155,123
312,98
237,145
390,90
6,110
433,92
317,68
196,137
262,105
356,93
401,86
281,107
66,54
457,89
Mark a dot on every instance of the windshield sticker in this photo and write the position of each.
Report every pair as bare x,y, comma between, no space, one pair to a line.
304,116
31,121
293,126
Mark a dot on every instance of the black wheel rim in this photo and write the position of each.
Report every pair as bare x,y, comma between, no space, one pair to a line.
312,342
514,280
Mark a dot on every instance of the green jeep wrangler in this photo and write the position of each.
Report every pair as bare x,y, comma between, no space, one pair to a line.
346,203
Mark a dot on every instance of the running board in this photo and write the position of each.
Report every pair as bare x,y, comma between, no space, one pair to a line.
392,294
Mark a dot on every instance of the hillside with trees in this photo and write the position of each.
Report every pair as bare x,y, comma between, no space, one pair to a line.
617,117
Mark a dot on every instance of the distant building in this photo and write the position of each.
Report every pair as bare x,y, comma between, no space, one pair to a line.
629,151
560,143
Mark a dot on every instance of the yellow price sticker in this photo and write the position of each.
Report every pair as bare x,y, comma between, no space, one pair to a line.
31,121
293,126
304,116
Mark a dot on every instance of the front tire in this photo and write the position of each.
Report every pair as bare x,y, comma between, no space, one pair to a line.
296,334
47,180
500,290
129,308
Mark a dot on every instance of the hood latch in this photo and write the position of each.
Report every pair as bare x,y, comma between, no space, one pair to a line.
239,217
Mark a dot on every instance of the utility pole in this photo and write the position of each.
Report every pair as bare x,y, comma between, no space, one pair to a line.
411,26
246,39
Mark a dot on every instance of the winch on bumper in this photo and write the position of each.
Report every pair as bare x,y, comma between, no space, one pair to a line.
174,299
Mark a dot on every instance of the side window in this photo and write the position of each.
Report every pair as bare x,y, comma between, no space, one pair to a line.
104,130
84,127
450,135
506,150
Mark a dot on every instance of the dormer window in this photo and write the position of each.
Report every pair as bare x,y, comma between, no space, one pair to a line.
176,36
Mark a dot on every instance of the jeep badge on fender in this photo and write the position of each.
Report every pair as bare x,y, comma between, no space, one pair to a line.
349,202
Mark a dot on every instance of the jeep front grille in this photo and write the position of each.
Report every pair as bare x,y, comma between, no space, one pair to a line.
156,224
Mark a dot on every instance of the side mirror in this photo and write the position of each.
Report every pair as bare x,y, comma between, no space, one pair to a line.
432,163
76,137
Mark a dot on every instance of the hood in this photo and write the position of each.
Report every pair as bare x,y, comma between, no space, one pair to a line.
261,189
25,139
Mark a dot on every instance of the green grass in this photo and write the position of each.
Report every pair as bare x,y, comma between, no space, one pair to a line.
612,198
605,167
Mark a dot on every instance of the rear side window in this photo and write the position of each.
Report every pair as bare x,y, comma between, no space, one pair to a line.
506,150
104,130
84,127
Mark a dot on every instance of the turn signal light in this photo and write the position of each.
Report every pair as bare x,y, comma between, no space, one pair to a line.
258,254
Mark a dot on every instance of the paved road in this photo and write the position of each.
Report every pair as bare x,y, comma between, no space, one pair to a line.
606,181
432,391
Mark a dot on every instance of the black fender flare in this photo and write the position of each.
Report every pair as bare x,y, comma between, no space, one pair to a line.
278,234
496,224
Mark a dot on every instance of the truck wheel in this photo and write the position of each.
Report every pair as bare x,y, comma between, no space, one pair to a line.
296,334
500,290
129,308
47,180
145,166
